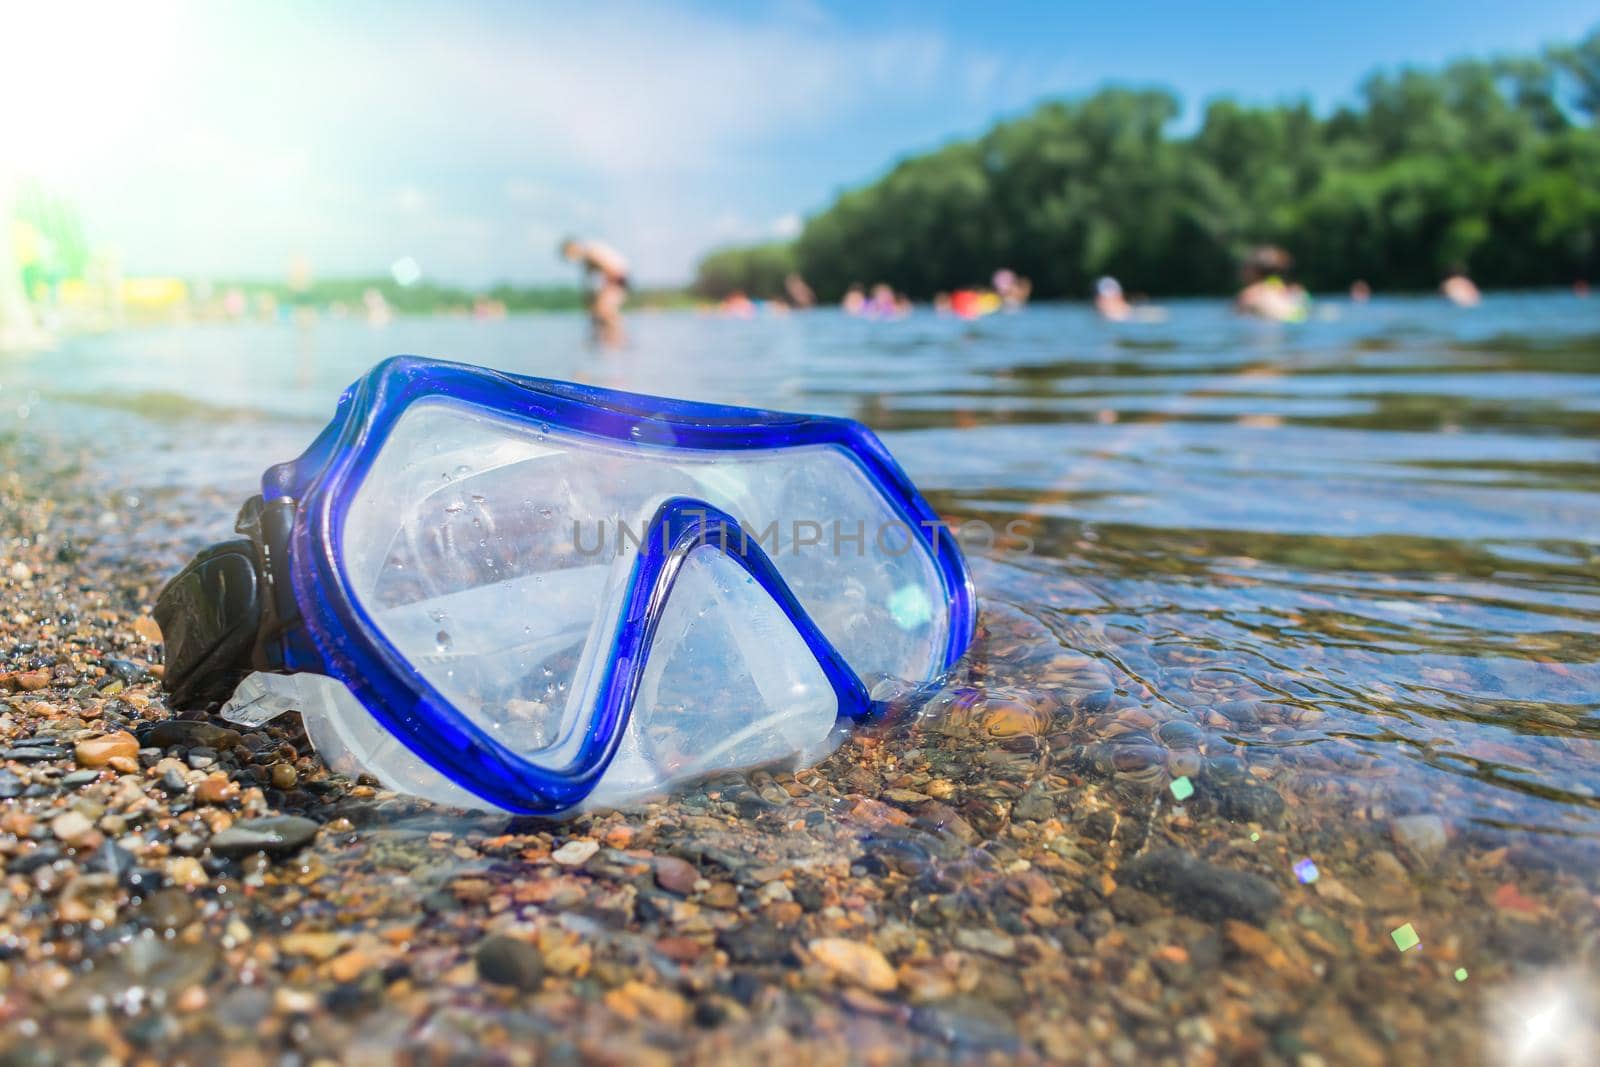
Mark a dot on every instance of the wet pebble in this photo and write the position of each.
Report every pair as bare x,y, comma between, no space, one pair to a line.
575,853
676,875
855,962
71,827
34,753
510,961
181,733
99,751
276,835
756,942
1247,803
167,909
965,1022
1422,836
1202,889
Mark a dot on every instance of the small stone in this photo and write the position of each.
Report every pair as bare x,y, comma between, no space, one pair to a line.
216,788
1423,836
71,827
1013,718
1202,889
966,1022
288,1001
77,778
988,942
10,785
676,875
576,853
99,751
634,999
756,943
509,961
123,670
854,962
186,871
172,781
1242,802
147,628
348,966
34,753
111,858
31,860
320,945
276,835
33,681
284,776
167,909
185,734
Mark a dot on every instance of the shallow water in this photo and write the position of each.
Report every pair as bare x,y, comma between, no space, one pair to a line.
1390,515
1356,560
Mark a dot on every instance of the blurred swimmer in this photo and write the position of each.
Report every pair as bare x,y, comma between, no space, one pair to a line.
1459,290
605,276
1109,301
1266,294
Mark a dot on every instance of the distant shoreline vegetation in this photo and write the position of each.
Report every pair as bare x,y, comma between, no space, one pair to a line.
424,297
1491,166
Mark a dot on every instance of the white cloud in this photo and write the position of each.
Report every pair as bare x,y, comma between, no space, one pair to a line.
231,139
409,199
787,227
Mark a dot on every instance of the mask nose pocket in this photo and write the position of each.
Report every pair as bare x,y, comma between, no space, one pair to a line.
728,682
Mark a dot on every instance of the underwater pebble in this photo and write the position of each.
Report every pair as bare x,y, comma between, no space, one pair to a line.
509,961
676,875
1202,889
575,853
855,962
275,835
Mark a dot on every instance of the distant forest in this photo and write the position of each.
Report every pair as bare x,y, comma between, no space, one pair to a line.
1492,166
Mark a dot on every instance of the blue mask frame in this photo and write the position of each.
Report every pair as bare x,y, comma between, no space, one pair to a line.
325,630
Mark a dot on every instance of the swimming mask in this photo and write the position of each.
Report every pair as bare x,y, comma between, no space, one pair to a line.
503,591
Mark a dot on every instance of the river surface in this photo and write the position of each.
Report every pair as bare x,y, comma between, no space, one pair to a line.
1358,557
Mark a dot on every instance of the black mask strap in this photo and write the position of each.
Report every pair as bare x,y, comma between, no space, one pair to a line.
219,618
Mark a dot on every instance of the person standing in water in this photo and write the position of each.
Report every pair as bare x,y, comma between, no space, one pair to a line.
1109,301
1266,293
605,277
1459,289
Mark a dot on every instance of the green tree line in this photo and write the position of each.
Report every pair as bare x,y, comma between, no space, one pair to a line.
1492,166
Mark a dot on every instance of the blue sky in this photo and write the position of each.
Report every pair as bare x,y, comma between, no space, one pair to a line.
226,139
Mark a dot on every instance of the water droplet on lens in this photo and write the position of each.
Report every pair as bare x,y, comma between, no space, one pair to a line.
443,640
